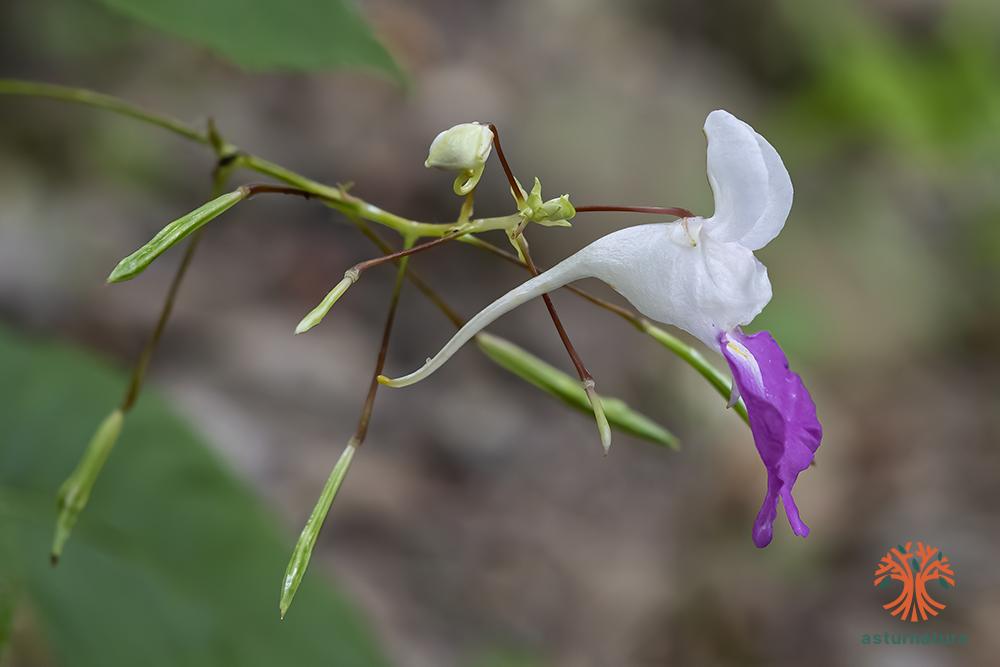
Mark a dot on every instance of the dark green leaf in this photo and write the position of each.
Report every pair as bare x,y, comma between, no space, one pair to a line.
267,34
174,562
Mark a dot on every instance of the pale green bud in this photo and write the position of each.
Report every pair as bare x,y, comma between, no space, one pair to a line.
552,213
463,148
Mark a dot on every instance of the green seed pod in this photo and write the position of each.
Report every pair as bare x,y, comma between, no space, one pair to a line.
553,381
75,491
302,552
173,234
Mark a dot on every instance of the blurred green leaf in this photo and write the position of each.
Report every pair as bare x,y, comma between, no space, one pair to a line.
507,658
174,562
923,97
553,381
266,35
8,600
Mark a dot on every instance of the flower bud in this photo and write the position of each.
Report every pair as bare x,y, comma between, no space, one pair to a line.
552,213
463,148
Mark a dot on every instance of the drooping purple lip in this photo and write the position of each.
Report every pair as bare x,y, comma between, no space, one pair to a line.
782,419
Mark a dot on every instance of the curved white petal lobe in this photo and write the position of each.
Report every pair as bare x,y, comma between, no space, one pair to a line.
753,192
779,200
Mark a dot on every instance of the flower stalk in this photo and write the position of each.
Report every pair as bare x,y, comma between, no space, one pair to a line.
302,552
586,379
521,244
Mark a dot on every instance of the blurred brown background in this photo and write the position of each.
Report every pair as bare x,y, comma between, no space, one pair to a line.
480,524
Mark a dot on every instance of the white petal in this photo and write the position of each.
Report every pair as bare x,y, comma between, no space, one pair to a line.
779,200
462,147
673,274
753,192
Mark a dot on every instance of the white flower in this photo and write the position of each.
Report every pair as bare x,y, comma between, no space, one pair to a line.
462,148
699,274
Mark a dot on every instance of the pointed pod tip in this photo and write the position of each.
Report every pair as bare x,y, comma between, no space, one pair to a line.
58,542
597,405
604,428
288,588
316,315
127,269
384,380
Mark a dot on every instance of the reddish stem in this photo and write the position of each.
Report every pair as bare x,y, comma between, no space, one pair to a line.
654,210
514,187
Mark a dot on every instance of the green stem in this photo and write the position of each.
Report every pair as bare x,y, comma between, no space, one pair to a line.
334,196
100,101
339,199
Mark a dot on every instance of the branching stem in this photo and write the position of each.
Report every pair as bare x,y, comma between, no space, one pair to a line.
101,101
581,369
369,405
358,209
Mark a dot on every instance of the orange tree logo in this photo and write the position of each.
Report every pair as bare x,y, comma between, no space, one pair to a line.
914,568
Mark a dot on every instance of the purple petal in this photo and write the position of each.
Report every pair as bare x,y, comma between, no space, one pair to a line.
782,419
